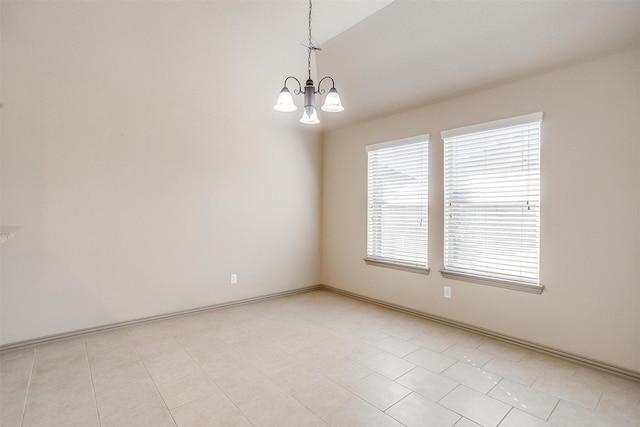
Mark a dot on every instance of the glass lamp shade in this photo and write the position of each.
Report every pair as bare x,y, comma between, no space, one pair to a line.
285,102
332,102
309,117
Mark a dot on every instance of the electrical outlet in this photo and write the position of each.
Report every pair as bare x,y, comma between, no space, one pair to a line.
234,278
447,291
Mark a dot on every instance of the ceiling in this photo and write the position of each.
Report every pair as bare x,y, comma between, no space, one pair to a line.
411,53
386,56
332,17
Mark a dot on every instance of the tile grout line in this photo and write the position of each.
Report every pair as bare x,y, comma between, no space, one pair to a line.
599,400
447,394
211,378
511,408
26,397
150,377
535,381
505,415
347,389
494,386
414,351
405,397
449,409
491,359
305,406
553,410
355,396
93,387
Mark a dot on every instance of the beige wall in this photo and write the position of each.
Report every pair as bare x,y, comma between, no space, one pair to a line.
590,220
143,179
141,175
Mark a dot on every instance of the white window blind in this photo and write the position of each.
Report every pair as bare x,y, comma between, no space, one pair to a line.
397,228
492,199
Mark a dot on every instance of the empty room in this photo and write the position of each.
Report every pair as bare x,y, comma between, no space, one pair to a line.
319,213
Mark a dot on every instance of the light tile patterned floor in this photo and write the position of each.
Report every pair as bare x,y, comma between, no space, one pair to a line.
313,359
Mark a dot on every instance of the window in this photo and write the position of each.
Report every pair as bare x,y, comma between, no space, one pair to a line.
397,227
492,203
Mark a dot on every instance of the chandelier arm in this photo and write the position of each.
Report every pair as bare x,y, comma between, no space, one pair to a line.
321,91
296,91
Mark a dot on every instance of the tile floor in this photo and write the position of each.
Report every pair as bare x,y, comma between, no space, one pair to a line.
313,359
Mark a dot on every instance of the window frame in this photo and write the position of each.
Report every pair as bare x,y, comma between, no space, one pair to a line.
375,259
463,270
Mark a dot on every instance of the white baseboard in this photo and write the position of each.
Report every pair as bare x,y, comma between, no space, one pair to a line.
119,325
586,361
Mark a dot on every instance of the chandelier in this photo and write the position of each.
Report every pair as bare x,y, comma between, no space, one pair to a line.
332,102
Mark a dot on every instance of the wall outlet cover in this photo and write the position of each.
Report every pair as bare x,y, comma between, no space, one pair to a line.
447,291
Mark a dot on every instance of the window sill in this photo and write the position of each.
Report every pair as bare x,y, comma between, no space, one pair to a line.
499,283
397,266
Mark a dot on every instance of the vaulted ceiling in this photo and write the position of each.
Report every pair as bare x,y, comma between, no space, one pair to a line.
386,56
410,53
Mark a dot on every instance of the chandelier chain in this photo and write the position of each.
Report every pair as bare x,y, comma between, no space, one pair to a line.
310,7
311,47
